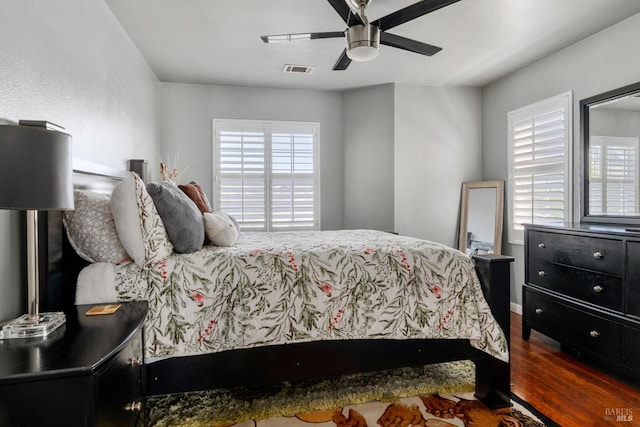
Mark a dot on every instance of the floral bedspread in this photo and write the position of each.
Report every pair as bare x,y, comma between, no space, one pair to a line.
276,288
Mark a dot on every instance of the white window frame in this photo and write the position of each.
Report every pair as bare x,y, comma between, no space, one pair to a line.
537,167
268,128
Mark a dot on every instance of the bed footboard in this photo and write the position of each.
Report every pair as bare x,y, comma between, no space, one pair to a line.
493,377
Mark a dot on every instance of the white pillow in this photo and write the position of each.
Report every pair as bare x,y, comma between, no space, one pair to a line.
91,229
220,229
95,284
139,226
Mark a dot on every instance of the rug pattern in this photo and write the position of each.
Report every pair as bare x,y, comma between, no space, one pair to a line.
425,411
431,396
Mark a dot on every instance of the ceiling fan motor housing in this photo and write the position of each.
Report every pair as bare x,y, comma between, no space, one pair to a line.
363,42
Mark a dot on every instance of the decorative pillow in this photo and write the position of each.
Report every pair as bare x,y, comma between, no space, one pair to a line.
235,223
91,229
180,216
220,228
139,226
194,191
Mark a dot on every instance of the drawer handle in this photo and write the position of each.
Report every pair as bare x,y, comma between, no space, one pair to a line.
133,407
598,255
541,245
594,334
541,273
538,311
135,361
598,289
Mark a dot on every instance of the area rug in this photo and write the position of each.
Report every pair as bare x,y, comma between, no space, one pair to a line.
431,396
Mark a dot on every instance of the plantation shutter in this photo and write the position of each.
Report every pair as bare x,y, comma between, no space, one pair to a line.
292,176
539,178
241,168
613,175
266,174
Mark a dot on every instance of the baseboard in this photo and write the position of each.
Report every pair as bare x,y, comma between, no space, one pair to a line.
515,307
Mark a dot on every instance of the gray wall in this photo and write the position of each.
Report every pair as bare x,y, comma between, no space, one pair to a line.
407,151
393,157
368,161
186,112
70,62
602,62
437,148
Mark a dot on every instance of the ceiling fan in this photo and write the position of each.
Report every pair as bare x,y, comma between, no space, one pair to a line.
364,37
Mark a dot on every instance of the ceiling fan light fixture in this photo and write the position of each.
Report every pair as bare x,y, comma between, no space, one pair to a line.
363,42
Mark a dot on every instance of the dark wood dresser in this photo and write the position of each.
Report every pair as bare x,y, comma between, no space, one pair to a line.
89,372
582,288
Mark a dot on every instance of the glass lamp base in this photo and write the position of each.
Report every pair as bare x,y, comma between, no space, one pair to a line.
26,327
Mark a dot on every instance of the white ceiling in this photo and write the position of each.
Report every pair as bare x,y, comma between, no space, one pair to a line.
218,41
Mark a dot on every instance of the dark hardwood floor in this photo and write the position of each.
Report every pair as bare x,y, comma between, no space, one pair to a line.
565,389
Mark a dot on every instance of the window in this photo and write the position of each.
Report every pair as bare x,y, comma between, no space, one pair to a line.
266,173
539,137
613,175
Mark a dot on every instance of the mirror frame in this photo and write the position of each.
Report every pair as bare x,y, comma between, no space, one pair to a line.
585,104
464,213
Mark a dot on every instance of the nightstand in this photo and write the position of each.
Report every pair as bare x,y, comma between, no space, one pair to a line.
89,372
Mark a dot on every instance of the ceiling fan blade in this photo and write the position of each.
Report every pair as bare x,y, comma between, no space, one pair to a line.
345,12
411,12
408,44
281,38
343,62
342,8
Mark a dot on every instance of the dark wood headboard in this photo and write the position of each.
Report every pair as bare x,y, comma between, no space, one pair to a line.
59,264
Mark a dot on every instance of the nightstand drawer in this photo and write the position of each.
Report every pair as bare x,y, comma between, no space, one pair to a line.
600,289
120,386
571,325
596,254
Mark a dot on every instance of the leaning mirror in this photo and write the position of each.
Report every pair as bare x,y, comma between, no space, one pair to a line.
481,217
611,141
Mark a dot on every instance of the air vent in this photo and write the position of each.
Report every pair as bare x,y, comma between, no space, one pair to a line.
303,69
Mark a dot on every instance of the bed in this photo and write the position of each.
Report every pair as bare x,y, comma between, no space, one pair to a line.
295,305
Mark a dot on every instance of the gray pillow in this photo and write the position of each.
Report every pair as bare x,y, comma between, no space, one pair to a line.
180,215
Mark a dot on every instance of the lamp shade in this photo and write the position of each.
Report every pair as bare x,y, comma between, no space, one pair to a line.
36,168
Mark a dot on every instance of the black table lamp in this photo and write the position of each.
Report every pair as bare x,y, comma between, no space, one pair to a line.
36,167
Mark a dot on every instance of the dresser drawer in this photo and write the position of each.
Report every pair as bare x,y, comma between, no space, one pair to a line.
600,289
633,282
631,346
592,253
568,324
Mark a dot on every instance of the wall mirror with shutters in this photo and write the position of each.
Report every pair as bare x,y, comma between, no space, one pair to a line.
481,217
611,156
